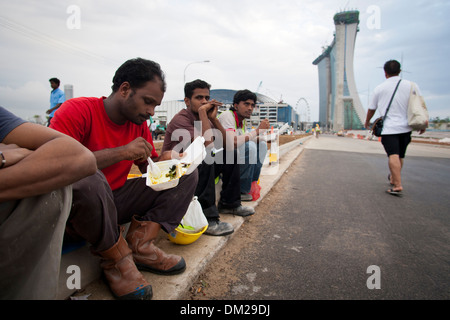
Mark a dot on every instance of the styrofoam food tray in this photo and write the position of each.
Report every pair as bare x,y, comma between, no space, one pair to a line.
194,155
164,166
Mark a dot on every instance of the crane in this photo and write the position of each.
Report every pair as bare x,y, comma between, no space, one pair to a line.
259,87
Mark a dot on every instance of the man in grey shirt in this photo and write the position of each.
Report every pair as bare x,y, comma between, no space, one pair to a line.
37,167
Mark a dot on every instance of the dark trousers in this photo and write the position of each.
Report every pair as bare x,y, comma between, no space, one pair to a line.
230,195
97,211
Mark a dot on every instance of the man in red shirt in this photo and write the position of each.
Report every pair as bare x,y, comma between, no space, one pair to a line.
114,128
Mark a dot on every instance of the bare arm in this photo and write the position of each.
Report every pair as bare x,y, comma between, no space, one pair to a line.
39,160
54,108
240,140
369,116
137,150
207,113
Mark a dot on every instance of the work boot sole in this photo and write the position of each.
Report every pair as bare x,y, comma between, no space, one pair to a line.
218,234
177,269
145,293
236,213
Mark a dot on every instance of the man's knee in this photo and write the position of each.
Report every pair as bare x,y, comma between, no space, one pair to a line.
251,152
90,189
262,151
192,179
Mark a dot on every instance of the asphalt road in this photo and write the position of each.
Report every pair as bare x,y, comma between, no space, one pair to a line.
328,230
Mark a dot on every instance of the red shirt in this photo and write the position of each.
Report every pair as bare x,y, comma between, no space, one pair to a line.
85,119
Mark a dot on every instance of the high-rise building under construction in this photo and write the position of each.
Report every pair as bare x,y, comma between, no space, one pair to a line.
339,103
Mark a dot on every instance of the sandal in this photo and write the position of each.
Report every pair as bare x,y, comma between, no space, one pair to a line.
393,192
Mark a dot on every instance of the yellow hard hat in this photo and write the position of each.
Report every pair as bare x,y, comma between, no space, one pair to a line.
181,237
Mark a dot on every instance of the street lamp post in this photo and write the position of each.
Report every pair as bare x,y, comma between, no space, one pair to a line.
184,79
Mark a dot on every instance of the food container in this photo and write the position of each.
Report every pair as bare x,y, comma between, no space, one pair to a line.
193,156
164,183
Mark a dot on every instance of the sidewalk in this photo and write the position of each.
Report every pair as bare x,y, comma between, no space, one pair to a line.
201,252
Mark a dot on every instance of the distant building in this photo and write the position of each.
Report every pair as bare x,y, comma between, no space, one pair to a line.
68,91
167,110
339,103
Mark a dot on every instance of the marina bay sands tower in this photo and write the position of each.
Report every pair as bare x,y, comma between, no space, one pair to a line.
339,103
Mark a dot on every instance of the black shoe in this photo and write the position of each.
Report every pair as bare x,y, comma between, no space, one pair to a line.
219,228
239,211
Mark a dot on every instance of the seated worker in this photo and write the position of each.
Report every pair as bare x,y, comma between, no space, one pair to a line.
201,112
252,151
115,129
37,169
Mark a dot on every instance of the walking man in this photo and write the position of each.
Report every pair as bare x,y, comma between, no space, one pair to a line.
396,134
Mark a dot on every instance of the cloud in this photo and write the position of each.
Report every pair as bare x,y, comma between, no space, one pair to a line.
33,98
247,41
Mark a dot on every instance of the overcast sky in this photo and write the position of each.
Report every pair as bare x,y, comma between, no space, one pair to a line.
251,44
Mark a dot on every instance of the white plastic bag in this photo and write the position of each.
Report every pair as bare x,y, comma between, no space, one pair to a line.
194,220
417,110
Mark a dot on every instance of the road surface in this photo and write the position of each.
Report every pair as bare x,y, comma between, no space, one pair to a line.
328,230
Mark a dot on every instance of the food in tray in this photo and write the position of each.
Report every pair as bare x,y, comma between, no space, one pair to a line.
175,171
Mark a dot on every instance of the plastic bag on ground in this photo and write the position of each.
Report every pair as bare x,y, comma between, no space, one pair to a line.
194,220
255,191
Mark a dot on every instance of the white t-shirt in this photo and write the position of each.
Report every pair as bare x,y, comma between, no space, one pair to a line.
228,121
397,118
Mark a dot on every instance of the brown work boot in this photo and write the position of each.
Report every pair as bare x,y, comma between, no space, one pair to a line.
141,236
124,279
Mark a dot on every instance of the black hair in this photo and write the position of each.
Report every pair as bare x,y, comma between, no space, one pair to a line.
55,80
242,95
392,68
196,84
137,72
